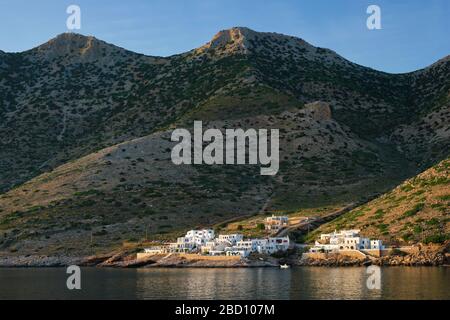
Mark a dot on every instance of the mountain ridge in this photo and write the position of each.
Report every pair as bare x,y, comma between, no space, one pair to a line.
220,34
93,123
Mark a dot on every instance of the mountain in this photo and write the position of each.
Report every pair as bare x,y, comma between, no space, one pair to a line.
85,127
415,211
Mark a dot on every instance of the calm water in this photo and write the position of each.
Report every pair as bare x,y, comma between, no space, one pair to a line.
264,283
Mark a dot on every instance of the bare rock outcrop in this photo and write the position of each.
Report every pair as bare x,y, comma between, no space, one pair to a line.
319,110
432,255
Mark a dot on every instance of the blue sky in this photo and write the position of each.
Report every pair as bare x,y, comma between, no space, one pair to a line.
414,33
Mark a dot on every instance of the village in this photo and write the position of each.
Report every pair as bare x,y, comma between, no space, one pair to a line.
205,242
345,240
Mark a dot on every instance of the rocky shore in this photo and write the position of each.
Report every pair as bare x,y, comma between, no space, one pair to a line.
127,260
432,255
123,260
38,261
424,256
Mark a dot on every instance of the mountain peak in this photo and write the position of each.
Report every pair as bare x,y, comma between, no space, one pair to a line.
85,48
242,40
68,40
235,39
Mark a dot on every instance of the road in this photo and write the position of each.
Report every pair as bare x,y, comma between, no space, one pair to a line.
313,223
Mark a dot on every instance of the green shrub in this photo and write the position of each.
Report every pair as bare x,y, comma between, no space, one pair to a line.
417,208
432,222
379,214
417,229
407,236
406,188
437,238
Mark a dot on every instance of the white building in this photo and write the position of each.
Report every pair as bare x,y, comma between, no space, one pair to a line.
245,245
181,246
225,244
230,238
345,240
199,237
376,244
215,246
266,246
275,223
236,245
281,244
325,248
337,236
193,240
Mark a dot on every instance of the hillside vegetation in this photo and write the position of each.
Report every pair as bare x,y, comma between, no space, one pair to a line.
418,210
85,136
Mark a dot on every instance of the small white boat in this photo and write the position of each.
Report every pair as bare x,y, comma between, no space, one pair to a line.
284,266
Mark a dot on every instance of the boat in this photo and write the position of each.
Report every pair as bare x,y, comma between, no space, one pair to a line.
284,266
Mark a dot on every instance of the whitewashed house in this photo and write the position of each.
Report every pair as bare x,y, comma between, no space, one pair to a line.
244,245
345,240
376,244
275,223
204,241
182,245
337,237
215,246
281,244
199,237
265,246
230,238
193,240
221,244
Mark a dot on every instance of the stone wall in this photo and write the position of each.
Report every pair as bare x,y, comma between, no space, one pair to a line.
348,253
144,255
375,252
353,254
193,256
315,255
190,256
409,250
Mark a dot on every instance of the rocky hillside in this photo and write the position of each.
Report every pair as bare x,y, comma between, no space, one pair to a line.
76,94
418,210
85,128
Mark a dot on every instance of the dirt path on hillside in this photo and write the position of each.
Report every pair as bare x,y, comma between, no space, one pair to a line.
314,223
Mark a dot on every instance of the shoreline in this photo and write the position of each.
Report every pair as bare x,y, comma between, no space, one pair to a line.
324,266
422,255
124,261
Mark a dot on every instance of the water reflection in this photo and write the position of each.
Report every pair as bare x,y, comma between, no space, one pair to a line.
332,283
295,283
